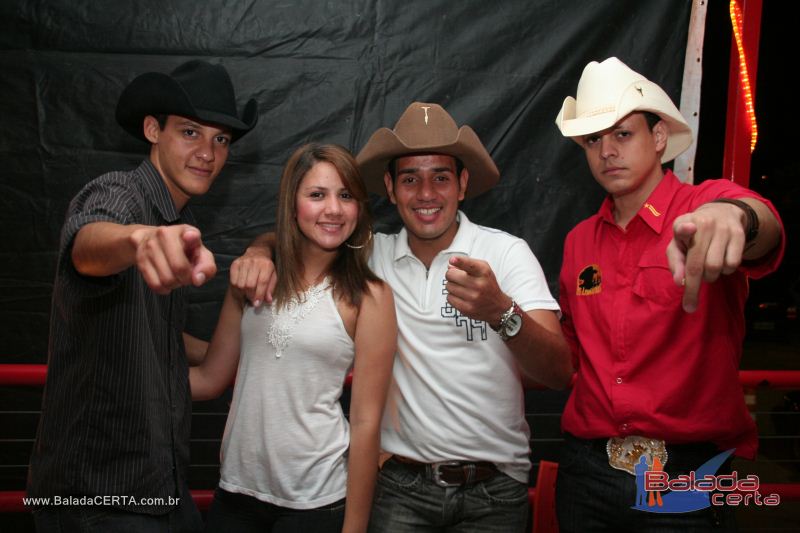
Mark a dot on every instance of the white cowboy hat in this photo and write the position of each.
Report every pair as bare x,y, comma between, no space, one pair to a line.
609,91
427,128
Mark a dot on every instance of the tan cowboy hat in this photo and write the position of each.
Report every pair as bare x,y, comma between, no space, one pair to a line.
609,91
427,128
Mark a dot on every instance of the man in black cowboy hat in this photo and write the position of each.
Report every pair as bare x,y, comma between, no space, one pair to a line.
454,423
113,443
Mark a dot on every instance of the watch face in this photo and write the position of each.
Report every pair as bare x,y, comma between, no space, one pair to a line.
513,325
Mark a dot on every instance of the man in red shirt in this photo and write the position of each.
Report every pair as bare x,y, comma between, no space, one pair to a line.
652,291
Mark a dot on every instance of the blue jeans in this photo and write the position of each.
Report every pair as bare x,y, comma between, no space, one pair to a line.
99,519
245,514
407,502
592,496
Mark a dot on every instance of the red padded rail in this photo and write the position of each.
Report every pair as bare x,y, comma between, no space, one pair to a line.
33,375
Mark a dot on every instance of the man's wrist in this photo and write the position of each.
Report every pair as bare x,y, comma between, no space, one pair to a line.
750,224
510,322
138,234
258,250
503,312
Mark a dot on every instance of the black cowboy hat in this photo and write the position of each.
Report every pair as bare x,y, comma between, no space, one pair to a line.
195,89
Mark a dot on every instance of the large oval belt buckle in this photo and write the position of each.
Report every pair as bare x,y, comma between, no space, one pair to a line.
625,453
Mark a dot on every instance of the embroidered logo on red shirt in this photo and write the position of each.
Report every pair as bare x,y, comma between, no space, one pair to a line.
652,209
589,281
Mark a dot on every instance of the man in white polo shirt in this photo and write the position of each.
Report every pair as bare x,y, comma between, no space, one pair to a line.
475,317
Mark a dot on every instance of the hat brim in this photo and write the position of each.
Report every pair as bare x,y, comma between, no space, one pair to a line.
384,145
155,93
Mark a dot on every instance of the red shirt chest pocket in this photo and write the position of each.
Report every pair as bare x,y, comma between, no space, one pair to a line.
653,280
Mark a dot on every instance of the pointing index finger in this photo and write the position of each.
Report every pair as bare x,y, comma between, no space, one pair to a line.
695,263
191,238
467,264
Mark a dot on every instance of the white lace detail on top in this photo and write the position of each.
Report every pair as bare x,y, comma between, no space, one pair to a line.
286,318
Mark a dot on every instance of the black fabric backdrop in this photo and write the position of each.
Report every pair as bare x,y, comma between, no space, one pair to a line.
329,71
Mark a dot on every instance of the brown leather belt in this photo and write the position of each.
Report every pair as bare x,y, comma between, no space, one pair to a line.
451,473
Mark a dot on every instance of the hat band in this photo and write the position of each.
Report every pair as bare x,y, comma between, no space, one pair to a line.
598,111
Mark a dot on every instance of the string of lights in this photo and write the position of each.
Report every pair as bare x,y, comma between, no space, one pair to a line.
744,78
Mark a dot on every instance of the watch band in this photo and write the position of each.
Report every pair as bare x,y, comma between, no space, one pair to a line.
512,325
504,317
510,322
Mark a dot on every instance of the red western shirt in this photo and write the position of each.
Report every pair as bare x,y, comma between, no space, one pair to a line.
646,367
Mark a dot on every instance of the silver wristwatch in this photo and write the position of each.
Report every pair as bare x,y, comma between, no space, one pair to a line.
510,322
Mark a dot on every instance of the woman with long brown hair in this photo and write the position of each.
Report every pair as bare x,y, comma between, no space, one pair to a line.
289,455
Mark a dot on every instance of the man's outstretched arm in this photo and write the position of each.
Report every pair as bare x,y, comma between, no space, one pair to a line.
167,256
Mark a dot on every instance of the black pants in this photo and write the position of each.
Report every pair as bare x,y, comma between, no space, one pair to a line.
244,514
593,496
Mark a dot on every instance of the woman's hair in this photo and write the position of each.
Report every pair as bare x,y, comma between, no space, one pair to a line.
349,271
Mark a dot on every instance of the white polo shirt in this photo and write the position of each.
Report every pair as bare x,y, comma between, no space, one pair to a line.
456,392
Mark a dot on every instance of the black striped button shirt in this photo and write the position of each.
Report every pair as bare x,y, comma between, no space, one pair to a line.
116,409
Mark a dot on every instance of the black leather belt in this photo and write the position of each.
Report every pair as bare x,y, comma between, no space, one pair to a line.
450,473
691,454
689,447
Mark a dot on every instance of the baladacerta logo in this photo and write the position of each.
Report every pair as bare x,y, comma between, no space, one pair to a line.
699,489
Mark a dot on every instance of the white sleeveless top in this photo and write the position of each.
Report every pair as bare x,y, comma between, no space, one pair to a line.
286,438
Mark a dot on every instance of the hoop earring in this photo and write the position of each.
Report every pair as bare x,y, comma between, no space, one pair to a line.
369,238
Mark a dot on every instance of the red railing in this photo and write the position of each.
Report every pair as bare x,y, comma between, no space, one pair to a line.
33,375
